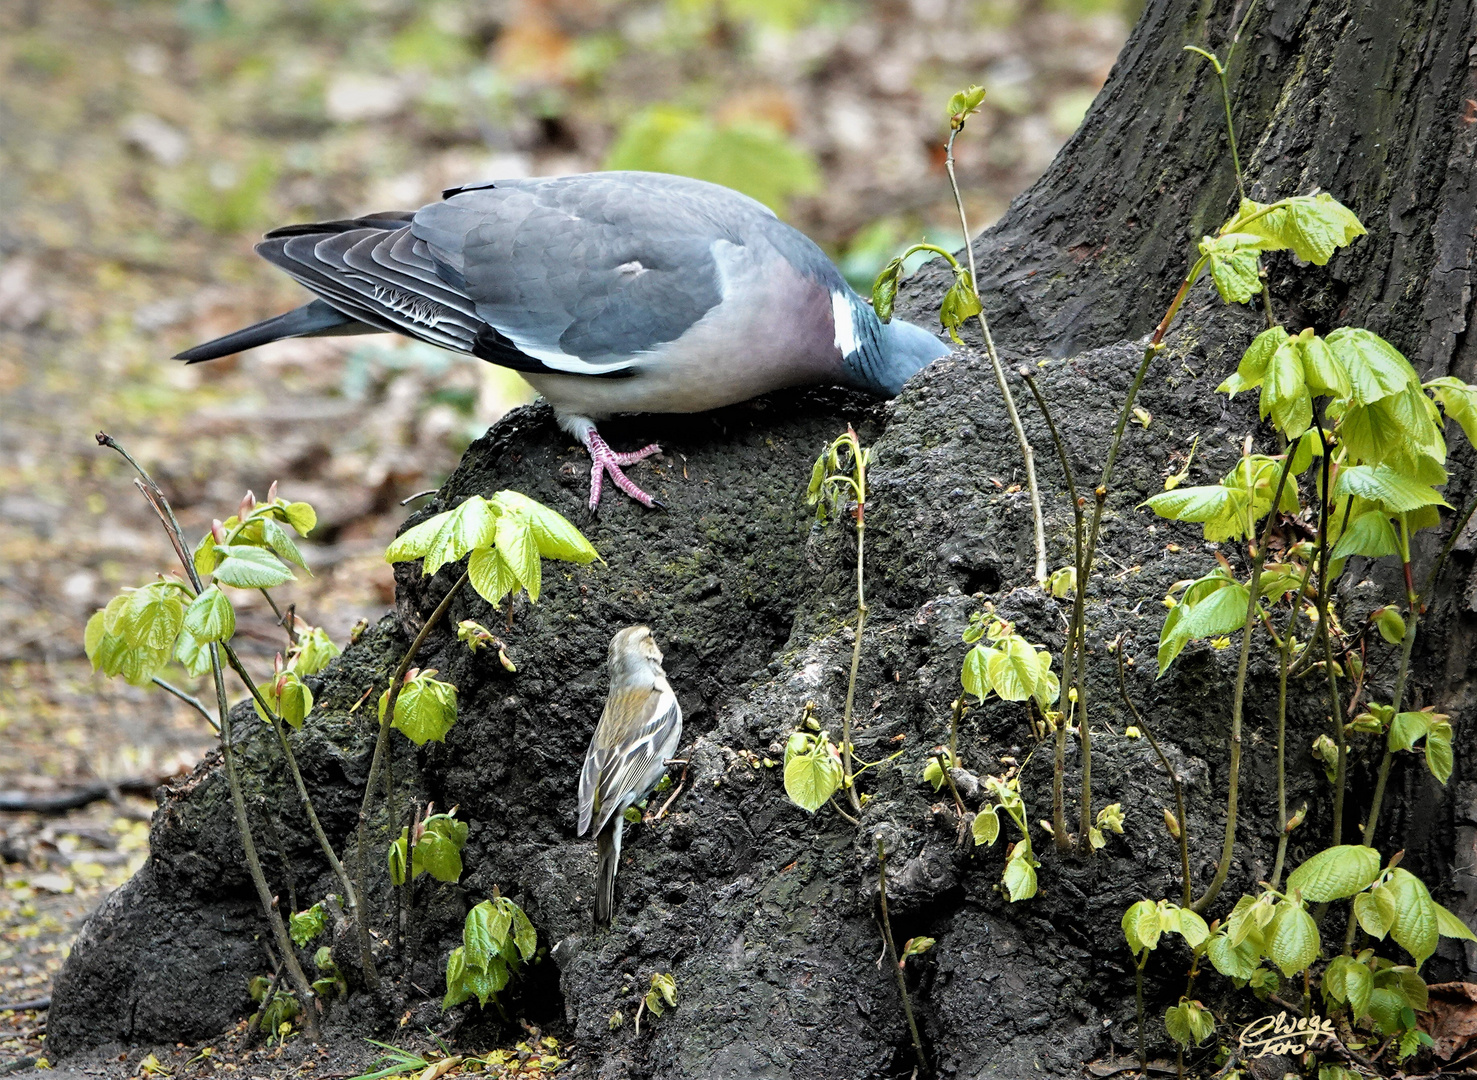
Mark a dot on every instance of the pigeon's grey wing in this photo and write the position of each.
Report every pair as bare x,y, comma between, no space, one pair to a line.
585,273
625,756
376,271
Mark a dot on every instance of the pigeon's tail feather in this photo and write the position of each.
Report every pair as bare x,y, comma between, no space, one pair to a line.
316,319
608,848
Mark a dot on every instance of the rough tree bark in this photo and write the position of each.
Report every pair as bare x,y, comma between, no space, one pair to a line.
764,914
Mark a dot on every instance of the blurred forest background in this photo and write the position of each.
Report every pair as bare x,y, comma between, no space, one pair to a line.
146,144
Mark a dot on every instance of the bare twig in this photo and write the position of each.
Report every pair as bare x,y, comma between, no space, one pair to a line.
897,967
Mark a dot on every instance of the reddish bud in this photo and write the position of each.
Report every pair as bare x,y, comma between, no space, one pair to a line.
218,530
272,492
411,674
248,502
278,664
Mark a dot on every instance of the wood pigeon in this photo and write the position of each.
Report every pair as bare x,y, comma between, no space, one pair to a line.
610,292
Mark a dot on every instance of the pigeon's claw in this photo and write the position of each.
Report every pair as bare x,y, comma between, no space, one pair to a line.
604,460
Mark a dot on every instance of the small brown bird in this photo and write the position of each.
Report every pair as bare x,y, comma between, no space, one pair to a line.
638,731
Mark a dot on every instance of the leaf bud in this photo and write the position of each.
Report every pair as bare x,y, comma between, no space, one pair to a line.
218,530
1171,823
248,503
1296,819
272,493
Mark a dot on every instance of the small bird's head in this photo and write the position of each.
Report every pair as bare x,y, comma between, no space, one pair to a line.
634,649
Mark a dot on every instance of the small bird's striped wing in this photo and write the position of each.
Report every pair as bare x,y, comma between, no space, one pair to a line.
625,755
586,273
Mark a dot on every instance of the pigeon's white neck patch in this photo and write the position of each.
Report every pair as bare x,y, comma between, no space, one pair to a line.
845,322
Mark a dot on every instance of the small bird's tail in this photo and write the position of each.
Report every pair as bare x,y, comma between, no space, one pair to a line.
315,319
608,848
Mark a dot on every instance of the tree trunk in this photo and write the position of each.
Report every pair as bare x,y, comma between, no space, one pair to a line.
766,915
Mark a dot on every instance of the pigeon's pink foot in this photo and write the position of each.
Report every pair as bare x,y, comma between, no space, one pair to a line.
604,460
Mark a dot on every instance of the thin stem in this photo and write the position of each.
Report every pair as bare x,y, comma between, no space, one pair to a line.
1325,630
381,746
1397,700
351,895
1174,778
897,967
1259,557
859,466
957,710
161,507
192,702
253,863
1010,410
1138,997
1069,650
1284,665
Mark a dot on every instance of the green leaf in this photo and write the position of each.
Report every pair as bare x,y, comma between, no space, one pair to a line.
975,676
1222,612
1438,751
1014,671
295,701
812,778
1399,430
1254,362
519,549
247,567
1172,637
425,710
1312,226
1407,729
280,541
1233,267
524,935
1375,911
1383,485
1415,927
1448,925
964,103
396,858
884,295
314,651
304,926
479,942
437,855
986,826
933,774
92,636
1019,877
1285,392
961,302
1346,980
552,532
210,616
1189,1023
1292,939
204,556
456,972
153,617
1335,873
192,654
1370,534
1141,926
1197,504
1459,400
1190,926
491,575
1233,961
302,517
1376,369
459,531
1322,370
